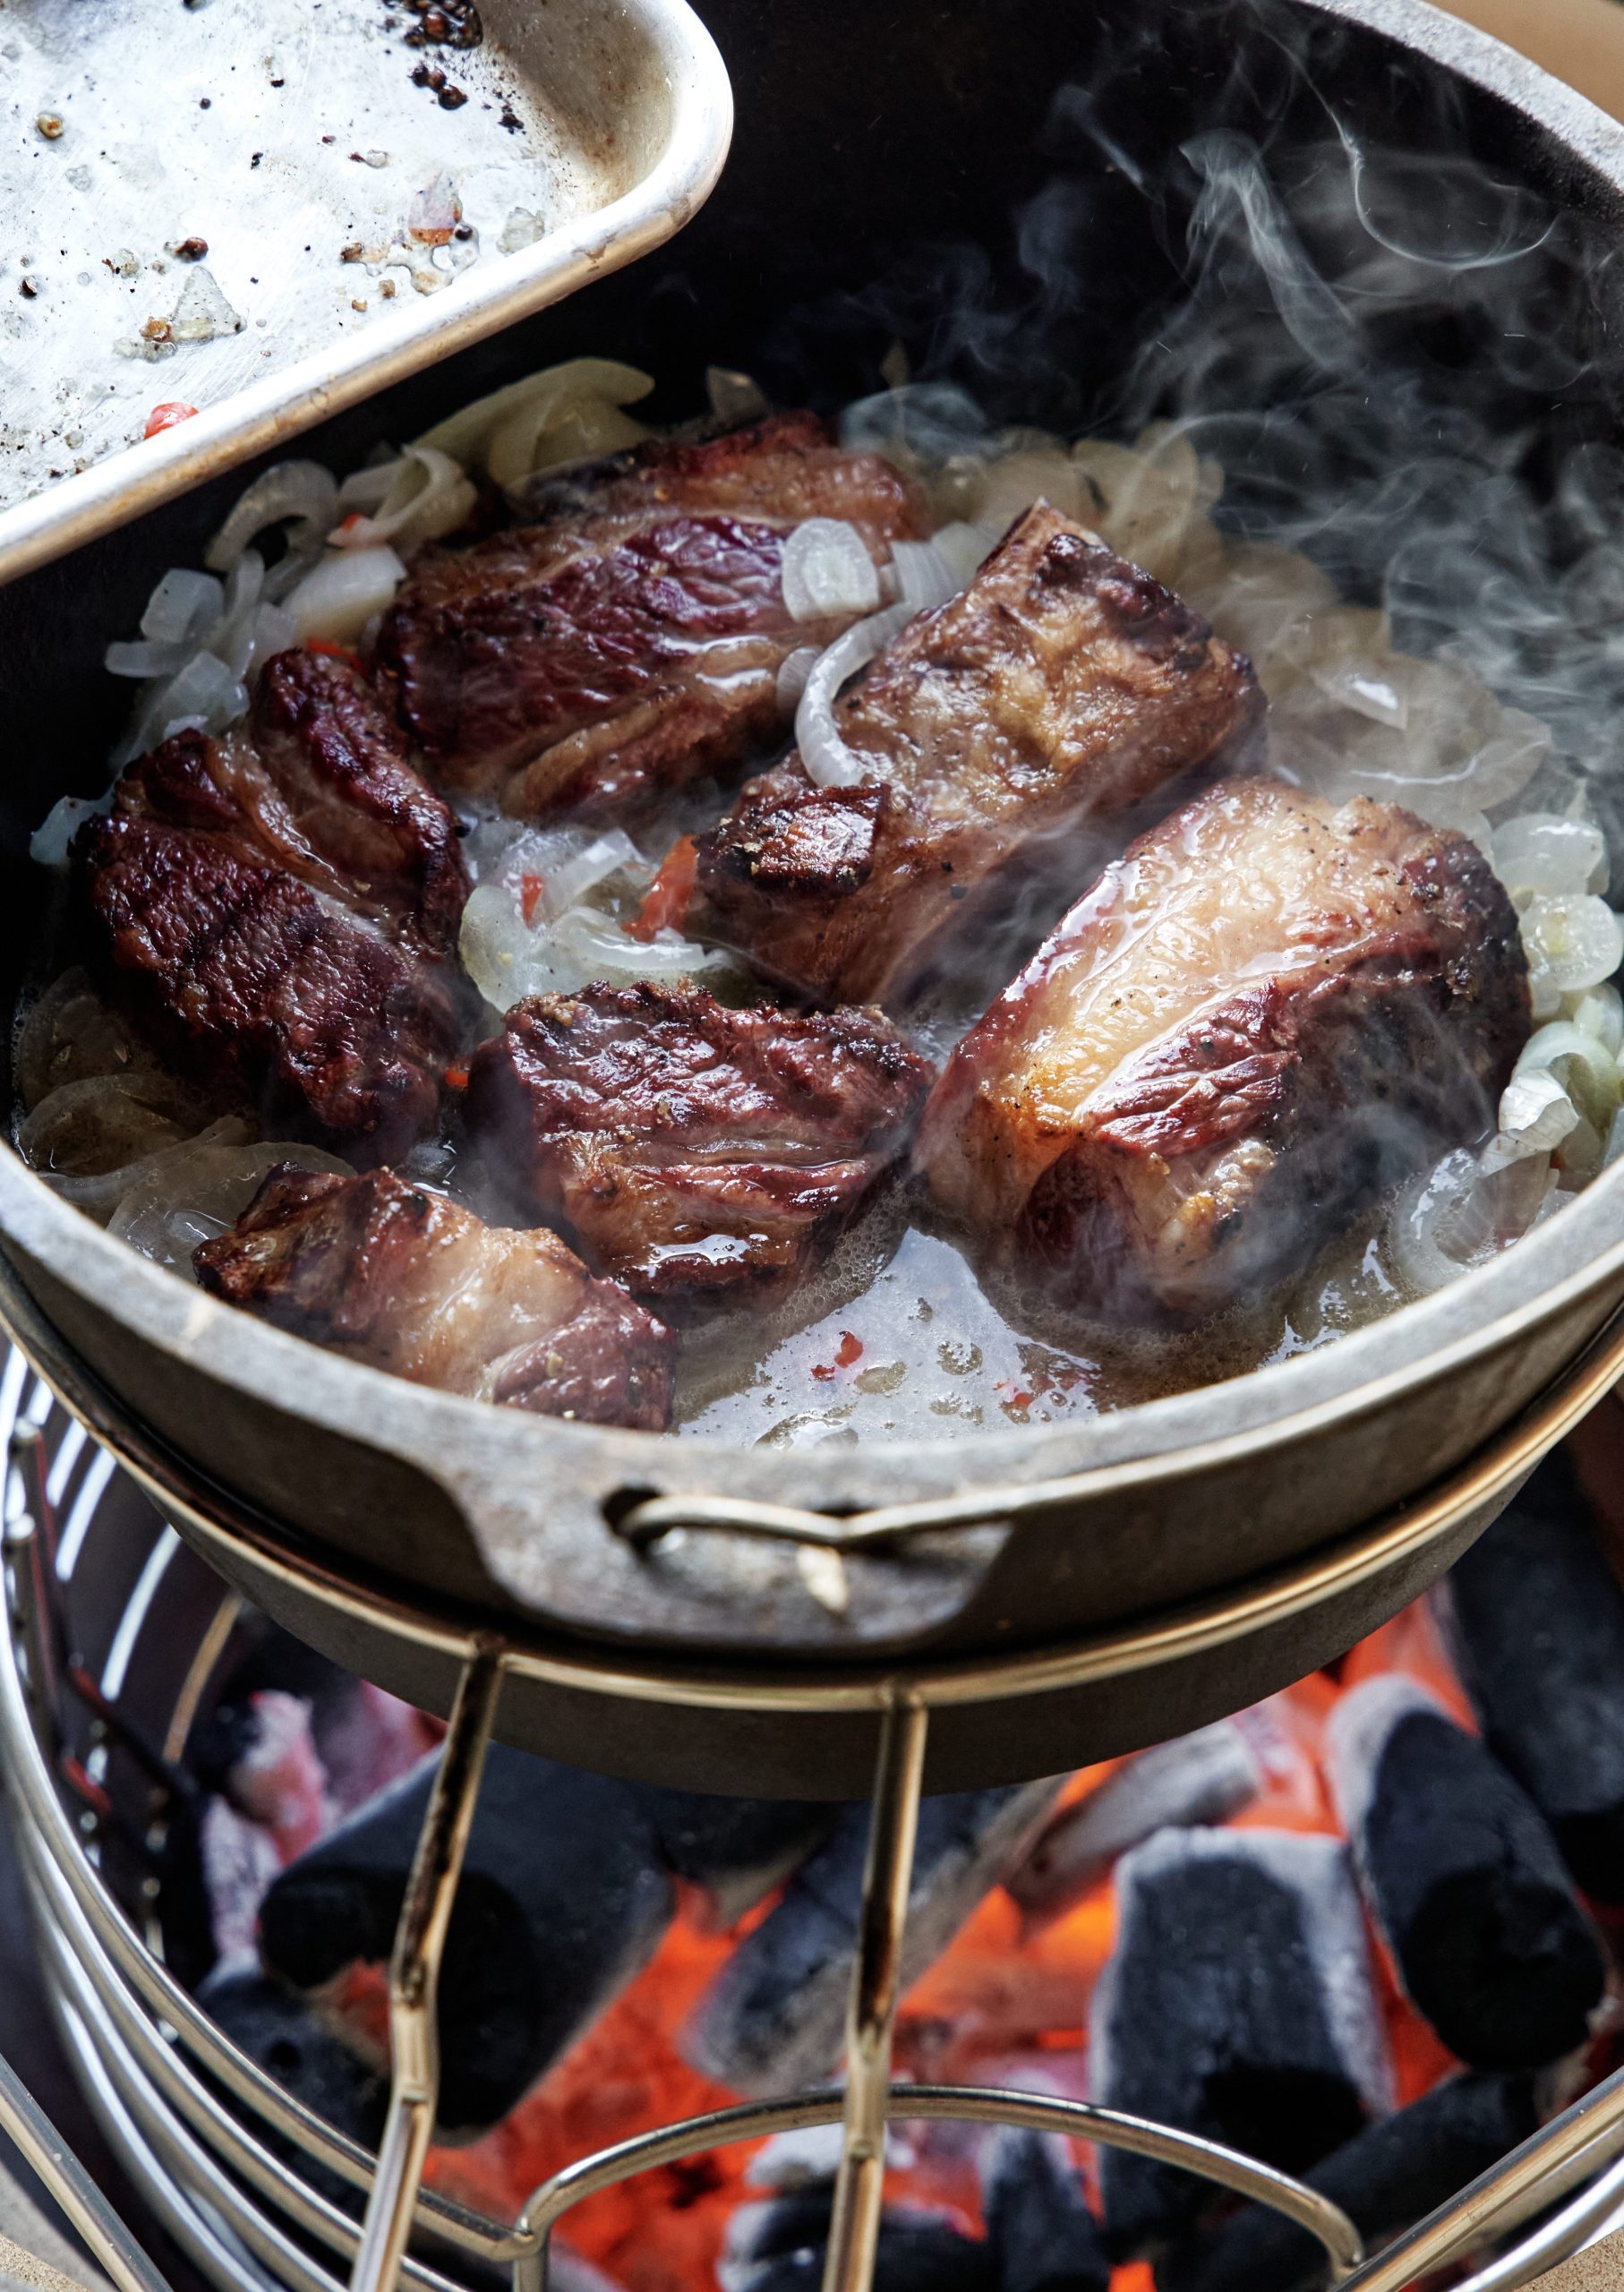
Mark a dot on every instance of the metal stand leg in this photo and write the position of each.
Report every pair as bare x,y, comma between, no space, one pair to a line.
420,1940
876,1986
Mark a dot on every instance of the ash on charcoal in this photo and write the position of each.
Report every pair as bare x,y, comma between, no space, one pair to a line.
1039,2230
773,2018
1236,2003
779,2247
567,1885
1464,1879
811,2155
1386,2177
1204,1778
1535,1619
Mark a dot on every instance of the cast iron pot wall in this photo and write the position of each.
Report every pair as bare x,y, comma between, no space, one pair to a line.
869,140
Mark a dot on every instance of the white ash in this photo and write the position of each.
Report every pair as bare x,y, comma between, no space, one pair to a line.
1196,1779
1360,1725
239,1859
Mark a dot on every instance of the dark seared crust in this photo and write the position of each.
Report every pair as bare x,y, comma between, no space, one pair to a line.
693,1151
1222,1155
785,467
232,940
784,835
632,641
1062,688
393,1274
340,764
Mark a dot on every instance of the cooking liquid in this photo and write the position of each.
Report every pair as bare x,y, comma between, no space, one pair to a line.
897,1337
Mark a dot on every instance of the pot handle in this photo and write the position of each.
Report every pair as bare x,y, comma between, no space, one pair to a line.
644,1521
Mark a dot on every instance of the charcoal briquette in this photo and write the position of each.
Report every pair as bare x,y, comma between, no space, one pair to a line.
774,2016
1040,2229
568,1886
1534,1617
1388,2176
1462,1875
1238,2004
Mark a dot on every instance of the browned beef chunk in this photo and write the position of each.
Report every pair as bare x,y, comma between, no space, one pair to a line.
693,1151
1265,1012
632,641
274,907
389,1273
339,762
1061,688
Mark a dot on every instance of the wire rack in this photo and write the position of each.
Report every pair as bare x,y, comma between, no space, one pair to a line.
116,1634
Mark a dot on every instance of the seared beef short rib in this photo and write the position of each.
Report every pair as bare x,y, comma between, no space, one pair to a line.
1061,688
1266,1012
631,641
279,905
390,1273
693,1151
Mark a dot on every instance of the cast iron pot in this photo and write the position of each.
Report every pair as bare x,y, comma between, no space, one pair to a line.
888,165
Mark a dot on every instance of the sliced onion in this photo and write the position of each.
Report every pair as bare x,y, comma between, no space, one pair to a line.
1586,1069
339,596
1580,940
500,433
364,490
141,657
1463,1212
98,1121
68,1034
827,570
48,844
182,608
274,630
1543,853
829,762
567,885
924,577
195,1191
204,693
510,960
426,496
1599,1011
232,639
99,1196
793,670
1535,1115
1422,1220
302,491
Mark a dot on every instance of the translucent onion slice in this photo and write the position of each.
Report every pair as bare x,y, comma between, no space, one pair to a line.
302,492
182,608
100,1122
793,670
194,1191
336,599
500,433
426,496
829,762
923,576
1578,939
100,1195
509,959
68,1034
1542,852
141,657
1586,1069
1599,1011
827,570
1423,1215
48,844
1535,1115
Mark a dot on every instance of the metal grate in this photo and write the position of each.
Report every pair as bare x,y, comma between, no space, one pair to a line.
116,1634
